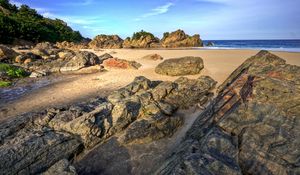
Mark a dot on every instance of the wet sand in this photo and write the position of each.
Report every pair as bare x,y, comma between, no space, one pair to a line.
219,64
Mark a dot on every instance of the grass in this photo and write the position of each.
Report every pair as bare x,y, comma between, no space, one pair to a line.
5,83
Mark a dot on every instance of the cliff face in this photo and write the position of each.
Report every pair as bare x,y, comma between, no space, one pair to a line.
106,42
251,127
180,39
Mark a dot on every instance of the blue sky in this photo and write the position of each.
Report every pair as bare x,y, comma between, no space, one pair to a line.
212,19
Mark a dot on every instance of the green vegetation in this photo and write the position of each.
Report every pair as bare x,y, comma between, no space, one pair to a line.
4,83
9,72
142,33
12,71
25,23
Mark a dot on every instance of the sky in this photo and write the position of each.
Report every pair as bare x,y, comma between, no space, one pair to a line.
212,19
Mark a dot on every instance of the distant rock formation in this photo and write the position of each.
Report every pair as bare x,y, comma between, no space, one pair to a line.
142,39
251,127
71,45
180,66
106,42
180,39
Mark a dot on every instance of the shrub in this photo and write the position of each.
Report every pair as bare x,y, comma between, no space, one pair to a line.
13,71
142,33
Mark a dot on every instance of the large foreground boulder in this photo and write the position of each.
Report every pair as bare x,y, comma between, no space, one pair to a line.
251,127
106,42
141,112
180,66
180,39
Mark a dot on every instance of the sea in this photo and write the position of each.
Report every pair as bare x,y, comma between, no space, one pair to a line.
271,45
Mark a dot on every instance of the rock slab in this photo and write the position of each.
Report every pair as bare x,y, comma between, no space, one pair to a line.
251,127
180,66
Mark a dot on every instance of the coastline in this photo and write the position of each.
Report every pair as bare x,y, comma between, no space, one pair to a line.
218,64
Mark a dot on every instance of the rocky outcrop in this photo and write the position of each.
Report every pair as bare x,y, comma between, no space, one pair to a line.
146,41
7,54
180,66
251,127
138,113
153,57
210,44
63,61
106,42
27,58
180,39
121,64
71,45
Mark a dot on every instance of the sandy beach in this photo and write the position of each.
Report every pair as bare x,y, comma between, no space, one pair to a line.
219,64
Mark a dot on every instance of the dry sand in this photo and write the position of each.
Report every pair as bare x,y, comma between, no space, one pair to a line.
219,64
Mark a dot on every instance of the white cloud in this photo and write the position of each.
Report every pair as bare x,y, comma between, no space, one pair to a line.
80,3
156,11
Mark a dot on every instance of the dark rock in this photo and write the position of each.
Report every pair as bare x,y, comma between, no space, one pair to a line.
105,56
7,54
62,167
251,127
210,44
34,142
180,66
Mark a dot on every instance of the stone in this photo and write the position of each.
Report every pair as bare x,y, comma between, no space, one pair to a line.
7,54
45,49
81,60
106,42
146,41
71,45
251,127
105,56
27,58
180,66
210,44
153,57
121,64
66,54
180,39
40,142
38,74
62,167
